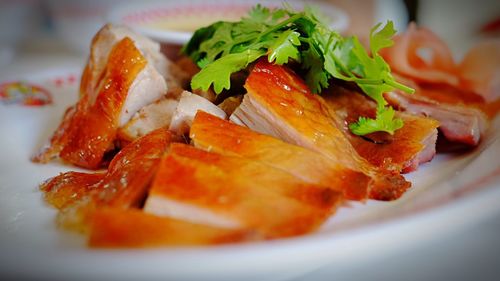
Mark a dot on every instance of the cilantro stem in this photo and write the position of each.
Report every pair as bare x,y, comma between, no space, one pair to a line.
399,86
281,24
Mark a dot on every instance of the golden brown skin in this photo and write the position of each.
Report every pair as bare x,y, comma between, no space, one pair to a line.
212,133
88,130
68,188
305,119
116,228
260,198
123,186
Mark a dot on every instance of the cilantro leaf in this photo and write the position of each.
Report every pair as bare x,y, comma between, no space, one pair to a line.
315,77
384,122
381,39
283,34
219,72
285,47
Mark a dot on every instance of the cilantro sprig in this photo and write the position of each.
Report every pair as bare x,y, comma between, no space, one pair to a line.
285,35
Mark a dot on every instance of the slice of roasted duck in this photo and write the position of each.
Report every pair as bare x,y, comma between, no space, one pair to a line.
123,186
177,115
458,111
458,123
117,228
214,134
278,103
233,192
125,72
411,145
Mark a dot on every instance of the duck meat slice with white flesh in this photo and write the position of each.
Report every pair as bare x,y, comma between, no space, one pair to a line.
124,73
233,192
186,109
133,228
278,103
151,117
211,133
124,185
459,113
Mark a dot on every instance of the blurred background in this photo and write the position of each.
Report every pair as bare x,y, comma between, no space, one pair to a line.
64,28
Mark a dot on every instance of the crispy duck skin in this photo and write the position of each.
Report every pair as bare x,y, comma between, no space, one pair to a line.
278,103
123,186
234,192
214,134
125,72
117,228
88,131
68,188
411,145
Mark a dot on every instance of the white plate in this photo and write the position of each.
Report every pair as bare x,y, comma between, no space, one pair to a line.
160,20
454,191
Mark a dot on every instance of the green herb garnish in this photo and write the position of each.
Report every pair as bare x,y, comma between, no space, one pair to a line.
282,35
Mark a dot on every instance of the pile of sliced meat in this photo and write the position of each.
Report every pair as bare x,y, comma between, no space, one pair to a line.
460,96
277,162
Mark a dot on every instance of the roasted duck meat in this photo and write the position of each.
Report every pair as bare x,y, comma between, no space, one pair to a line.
125,72
278,103
214,134
233,192
124,185
112,228
457,122
456,94
411,145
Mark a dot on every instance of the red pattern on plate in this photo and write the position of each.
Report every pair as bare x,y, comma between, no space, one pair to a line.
61,81
24,93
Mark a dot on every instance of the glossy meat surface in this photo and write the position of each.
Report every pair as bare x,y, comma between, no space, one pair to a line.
279,104
214,134
233,192
69,188
123,186
88,130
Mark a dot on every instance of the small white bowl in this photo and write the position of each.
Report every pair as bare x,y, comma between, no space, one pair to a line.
173,22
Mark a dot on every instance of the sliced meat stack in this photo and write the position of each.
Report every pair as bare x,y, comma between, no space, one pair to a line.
278,103
124,185
456,95
214,134
123,96
234,192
